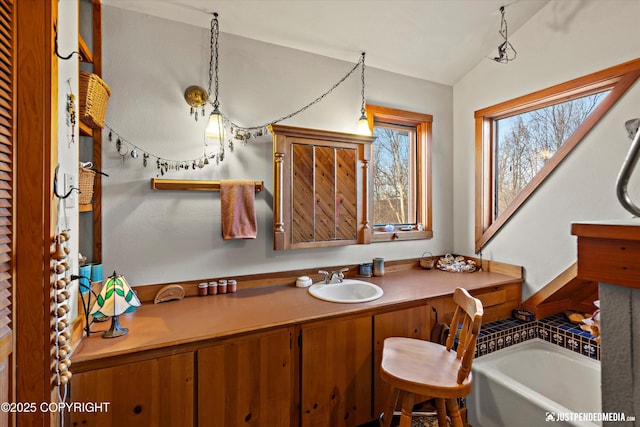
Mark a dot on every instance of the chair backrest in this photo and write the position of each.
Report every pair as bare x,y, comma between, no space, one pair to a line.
468,313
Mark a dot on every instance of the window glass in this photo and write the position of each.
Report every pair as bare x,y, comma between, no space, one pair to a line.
525,142
520,141
399,177
393,174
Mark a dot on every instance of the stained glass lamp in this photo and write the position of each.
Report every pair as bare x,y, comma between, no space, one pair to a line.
116,298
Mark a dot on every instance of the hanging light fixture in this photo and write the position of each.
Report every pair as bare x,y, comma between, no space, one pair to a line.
363,123
216,131
506,52
215,127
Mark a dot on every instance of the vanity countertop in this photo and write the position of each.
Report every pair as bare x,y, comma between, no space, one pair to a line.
198,319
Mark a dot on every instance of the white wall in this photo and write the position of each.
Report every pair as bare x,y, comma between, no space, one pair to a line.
565,40
68,137
163,236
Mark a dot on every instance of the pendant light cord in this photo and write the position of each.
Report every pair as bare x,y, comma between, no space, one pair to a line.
307,106
213,59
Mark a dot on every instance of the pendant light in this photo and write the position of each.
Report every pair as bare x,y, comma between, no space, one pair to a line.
363,122
215,127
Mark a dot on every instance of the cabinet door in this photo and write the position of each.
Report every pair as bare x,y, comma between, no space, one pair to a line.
323,193
346,195
411,323
246,382
156,392
336,373
302,191
320,188
325,190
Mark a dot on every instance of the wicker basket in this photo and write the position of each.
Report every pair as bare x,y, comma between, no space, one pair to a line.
94,97
85,184
427,262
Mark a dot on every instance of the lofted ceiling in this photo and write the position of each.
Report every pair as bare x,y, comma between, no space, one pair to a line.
436,40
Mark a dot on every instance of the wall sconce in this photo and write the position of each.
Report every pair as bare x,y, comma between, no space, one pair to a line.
506,52
116,298
196,97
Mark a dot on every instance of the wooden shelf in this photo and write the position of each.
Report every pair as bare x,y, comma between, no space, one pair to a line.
84,129
187,184
85,208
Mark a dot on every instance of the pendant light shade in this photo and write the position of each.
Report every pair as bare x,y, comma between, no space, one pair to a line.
363,123
363,126
215,127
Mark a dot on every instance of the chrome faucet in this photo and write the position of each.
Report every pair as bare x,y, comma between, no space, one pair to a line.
335,276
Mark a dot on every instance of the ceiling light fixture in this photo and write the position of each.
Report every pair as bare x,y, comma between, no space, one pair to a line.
506,52
216,130
363,123
215,127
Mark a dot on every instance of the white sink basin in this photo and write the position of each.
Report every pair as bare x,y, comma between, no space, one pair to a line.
349,291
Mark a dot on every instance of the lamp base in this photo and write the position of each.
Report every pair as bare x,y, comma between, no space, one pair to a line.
115,330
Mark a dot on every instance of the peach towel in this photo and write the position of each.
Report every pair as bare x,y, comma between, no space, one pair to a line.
237,203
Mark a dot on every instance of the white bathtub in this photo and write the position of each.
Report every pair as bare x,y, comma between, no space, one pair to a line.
522,384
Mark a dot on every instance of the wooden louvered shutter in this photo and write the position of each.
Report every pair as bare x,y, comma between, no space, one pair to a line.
6,175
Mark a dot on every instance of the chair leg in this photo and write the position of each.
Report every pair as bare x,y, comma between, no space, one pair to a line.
442,412
389,408
454,413
407,409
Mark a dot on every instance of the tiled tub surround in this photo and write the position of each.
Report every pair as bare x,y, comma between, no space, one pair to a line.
556,329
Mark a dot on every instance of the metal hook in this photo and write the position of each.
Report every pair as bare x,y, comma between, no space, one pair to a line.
55,30
55,186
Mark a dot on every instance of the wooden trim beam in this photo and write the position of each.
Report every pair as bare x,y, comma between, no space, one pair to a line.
566,291
85,52
36,153
97,137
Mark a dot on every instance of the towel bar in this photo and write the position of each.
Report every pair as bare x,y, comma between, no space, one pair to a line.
191,184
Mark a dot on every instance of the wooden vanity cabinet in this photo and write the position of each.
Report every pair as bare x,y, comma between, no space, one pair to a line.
497,301
316,373
156,392
247,381
320,188
336,373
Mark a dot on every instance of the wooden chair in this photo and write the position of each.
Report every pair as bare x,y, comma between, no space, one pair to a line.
414,367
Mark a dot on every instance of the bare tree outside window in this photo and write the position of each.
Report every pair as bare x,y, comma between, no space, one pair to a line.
525,142
392,156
